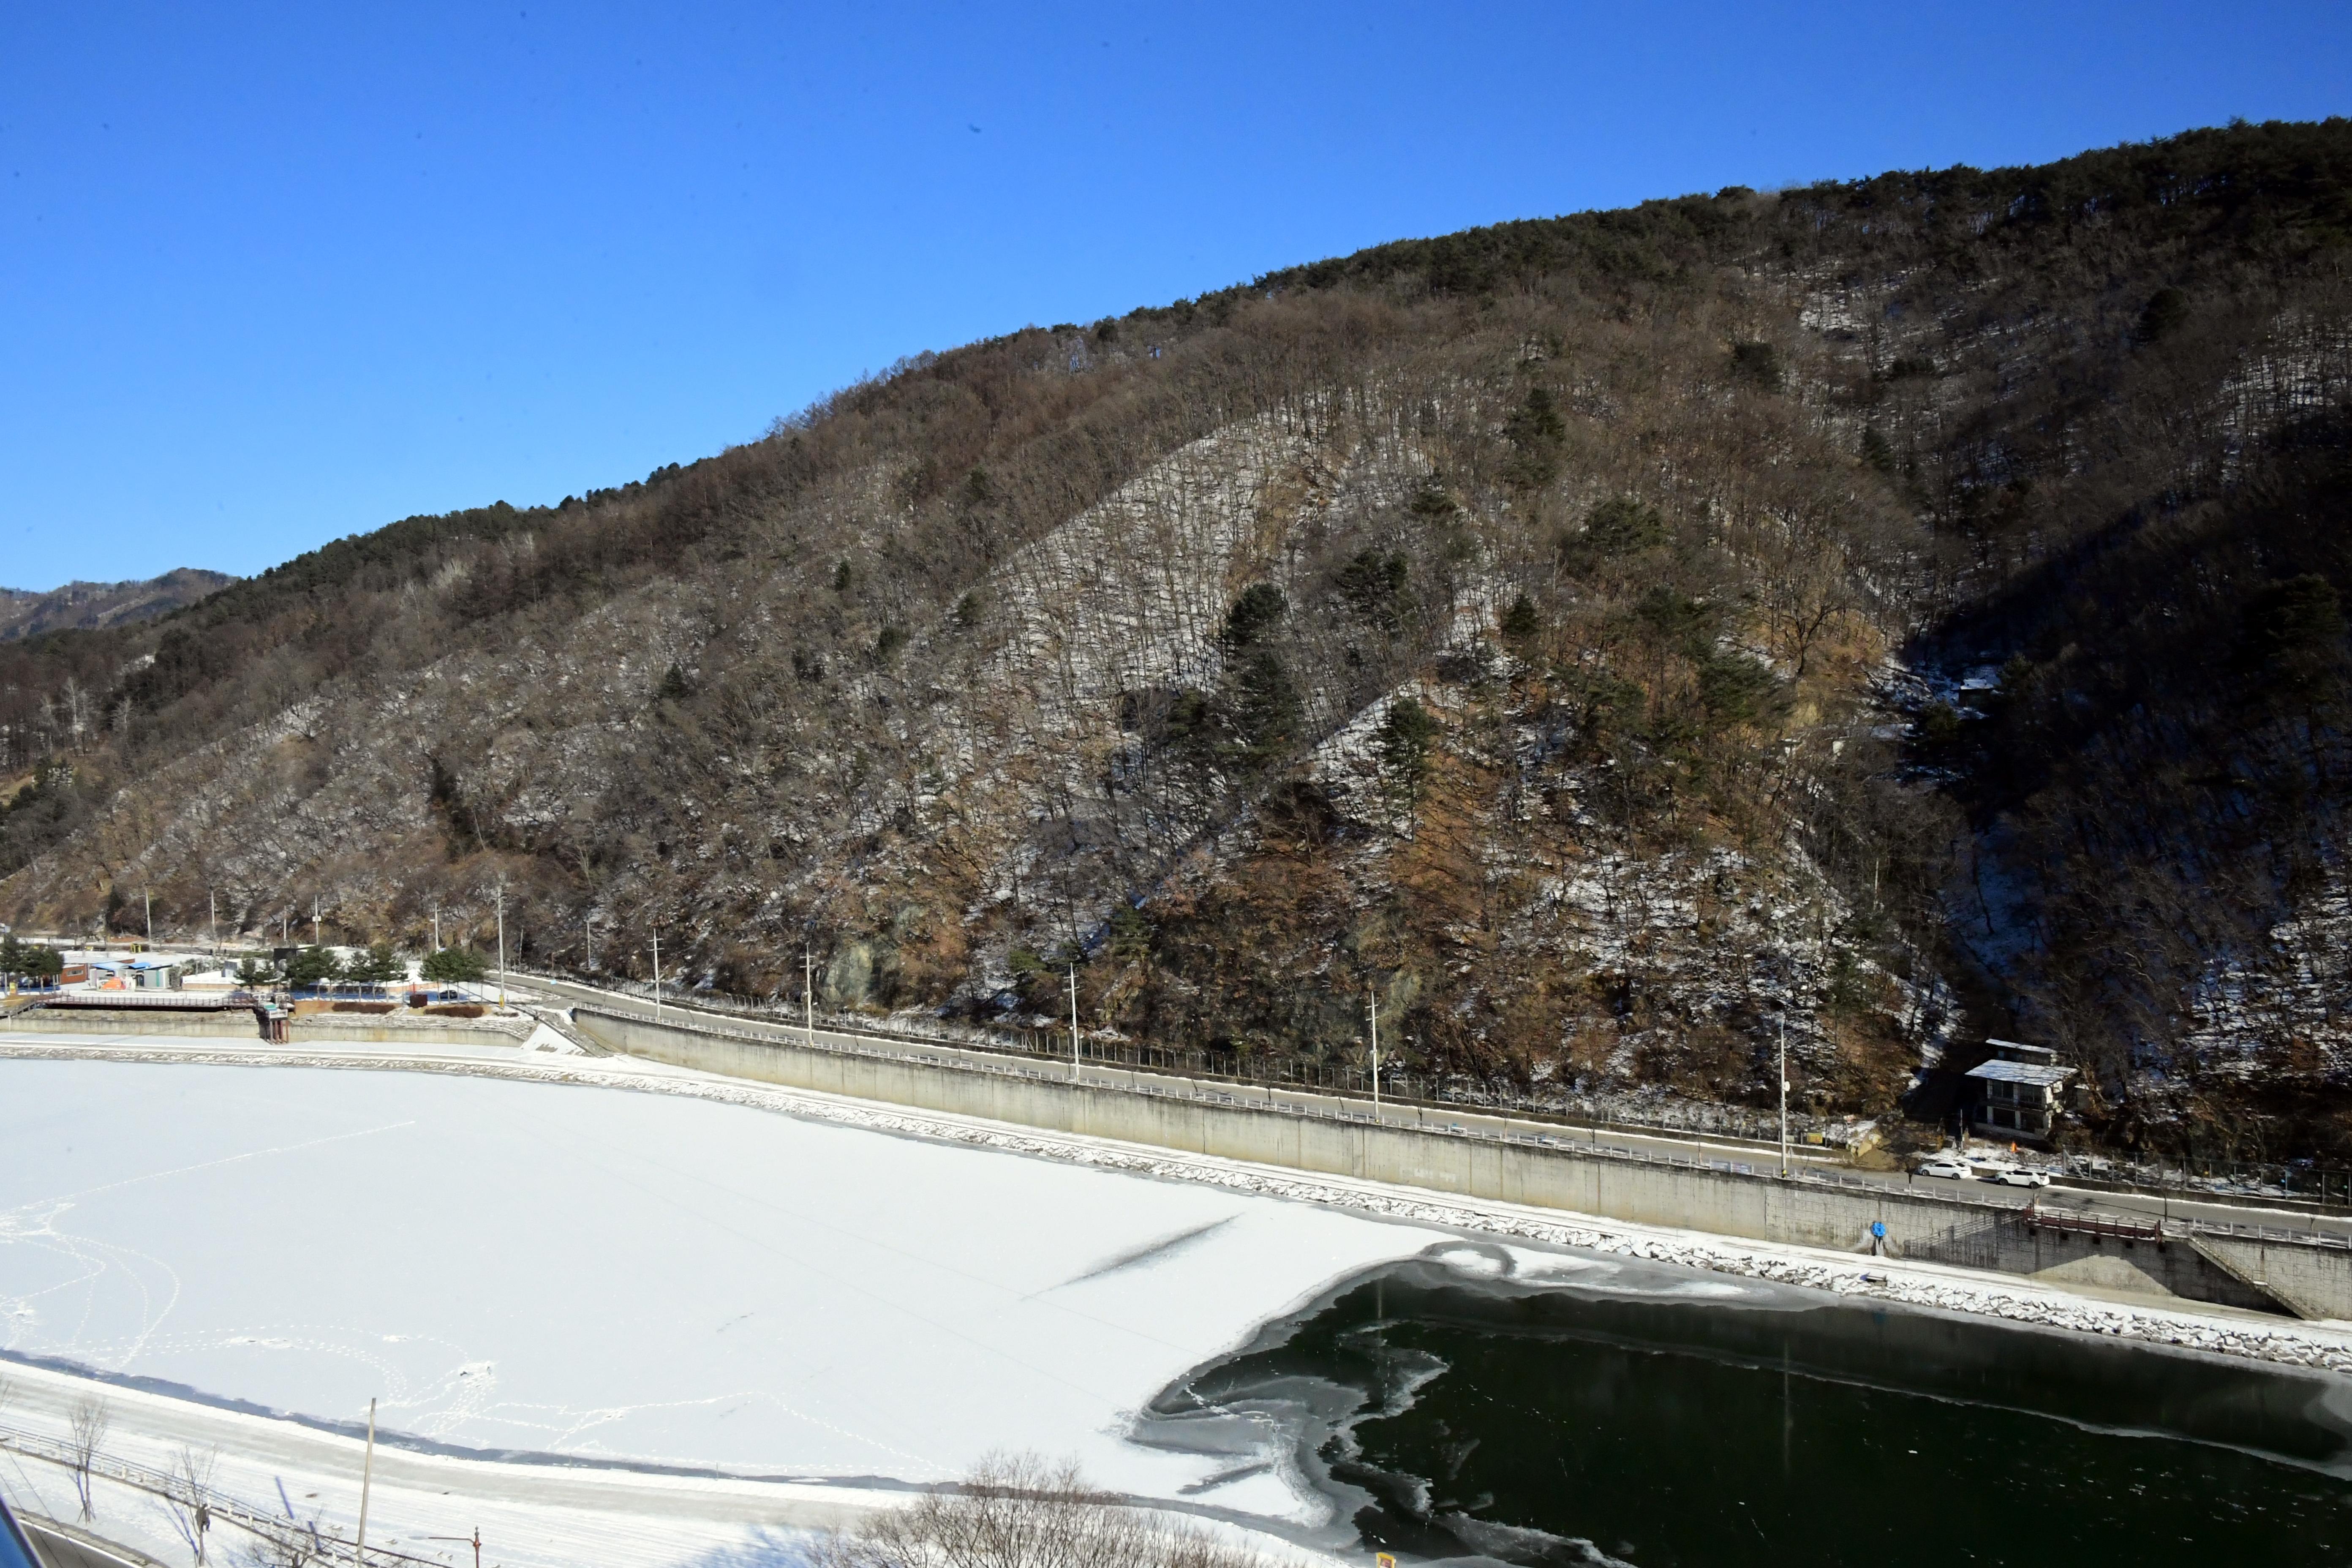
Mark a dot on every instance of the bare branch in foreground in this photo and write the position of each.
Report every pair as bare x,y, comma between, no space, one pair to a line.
1019,1511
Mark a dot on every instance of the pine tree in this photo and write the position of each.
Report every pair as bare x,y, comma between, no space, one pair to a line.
452,965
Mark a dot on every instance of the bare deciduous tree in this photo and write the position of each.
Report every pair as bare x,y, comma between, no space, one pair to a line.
291,1549
293,1542
86,1428
190,1501
1019,1510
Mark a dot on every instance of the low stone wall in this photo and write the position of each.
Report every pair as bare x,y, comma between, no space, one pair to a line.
1563,1176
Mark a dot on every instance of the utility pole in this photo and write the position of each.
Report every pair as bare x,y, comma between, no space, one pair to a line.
502,944
437,928
314,920
588,923
1372,1008
656,977
1074,1021
808,994
367,1475
150,897
212,919
1784,1092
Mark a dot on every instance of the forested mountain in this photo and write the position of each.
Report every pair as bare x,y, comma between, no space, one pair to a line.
85,606
1897,611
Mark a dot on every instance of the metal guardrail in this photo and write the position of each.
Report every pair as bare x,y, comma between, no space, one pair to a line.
2267,1233
2144,1227
323,1547
845,1043
1702,1121
2119,1227
1396,1089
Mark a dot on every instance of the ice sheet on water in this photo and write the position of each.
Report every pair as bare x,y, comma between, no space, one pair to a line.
593,1272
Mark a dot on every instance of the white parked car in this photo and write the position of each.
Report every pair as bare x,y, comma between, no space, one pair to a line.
1950,1170
2016,1176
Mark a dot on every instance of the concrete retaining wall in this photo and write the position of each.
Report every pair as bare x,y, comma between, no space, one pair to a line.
1726,1203
2309,1279
1999,1242
327,1028
237,1023
240,1024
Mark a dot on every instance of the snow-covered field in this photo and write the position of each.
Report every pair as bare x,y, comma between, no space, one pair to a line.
599,1273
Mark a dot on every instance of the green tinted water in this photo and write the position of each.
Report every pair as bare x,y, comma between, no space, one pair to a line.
1539,1426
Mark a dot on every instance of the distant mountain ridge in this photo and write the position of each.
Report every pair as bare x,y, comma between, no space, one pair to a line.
89,606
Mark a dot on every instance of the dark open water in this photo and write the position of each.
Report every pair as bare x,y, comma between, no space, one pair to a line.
1628,1413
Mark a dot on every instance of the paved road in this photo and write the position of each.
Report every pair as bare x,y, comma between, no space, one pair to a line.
1763,1157
1184,1086
2157,1206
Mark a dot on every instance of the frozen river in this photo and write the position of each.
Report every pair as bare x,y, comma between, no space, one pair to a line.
657,1278
598,1273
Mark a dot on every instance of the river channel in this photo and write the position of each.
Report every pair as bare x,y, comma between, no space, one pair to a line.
1470,1409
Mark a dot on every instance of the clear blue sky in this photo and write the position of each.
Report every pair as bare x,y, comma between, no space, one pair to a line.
268,276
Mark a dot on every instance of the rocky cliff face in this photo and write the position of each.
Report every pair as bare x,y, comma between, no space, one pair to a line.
1611,643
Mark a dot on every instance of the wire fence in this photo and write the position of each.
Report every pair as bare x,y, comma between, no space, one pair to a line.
2304,1181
